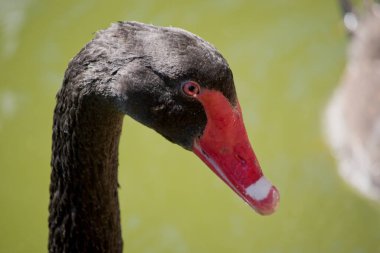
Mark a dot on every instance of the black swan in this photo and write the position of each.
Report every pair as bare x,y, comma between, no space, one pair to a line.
353,114
169,80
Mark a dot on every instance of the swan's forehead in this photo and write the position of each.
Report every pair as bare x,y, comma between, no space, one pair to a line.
180,55
177,52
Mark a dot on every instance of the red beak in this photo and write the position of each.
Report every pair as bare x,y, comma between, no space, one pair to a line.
225,148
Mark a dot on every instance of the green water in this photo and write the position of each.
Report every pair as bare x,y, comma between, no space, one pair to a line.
287,56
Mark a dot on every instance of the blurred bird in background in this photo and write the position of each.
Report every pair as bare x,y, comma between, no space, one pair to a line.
352,121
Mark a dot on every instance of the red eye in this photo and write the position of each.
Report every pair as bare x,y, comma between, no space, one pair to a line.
191,89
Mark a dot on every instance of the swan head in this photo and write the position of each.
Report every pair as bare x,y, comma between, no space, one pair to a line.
179,85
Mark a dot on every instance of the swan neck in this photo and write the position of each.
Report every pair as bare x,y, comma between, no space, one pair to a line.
84,207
